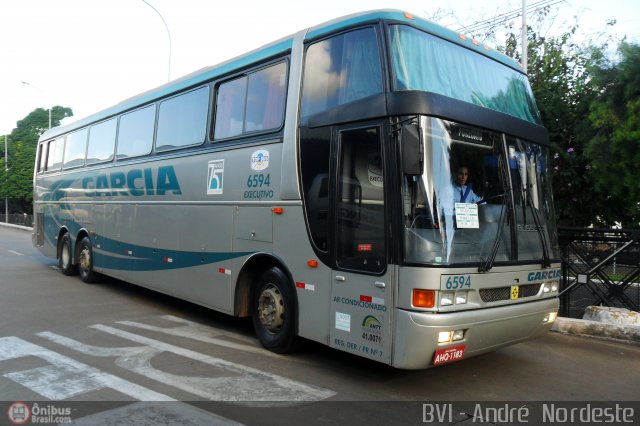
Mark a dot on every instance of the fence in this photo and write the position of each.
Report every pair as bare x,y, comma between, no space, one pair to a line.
18,219
599,267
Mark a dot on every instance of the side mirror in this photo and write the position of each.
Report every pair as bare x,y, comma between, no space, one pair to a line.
411,149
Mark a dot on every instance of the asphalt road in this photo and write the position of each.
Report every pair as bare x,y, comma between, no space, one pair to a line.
115,345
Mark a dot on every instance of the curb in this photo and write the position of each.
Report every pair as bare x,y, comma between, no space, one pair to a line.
11,225
627,333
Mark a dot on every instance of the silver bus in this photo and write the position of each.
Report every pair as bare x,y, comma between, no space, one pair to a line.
376,183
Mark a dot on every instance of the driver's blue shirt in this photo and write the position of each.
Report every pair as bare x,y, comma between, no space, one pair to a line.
459,195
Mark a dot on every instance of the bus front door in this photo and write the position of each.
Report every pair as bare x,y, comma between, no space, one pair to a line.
361,287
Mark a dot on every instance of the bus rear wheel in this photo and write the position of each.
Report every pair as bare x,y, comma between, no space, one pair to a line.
274,312
65,261
85,261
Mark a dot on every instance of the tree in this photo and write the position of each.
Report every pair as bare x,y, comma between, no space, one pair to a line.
612,134
17,184
561,74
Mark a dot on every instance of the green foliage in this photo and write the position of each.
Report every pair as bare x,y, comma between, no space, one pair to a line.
591,108
17,183
612,136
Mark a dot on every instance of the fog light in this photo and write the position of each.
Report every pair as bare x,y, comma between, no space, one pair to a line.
550,317
444,336
461,297
446,298
458,335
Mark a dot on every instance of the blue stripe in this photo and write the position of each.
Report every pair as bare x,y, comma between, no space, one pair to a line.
152,259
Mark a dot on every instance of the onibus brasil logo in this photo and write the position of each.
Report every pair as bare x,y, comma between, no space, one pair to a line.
19,413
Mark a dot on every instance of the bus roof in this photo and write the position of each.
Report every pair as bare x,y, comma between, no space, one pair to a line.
277,48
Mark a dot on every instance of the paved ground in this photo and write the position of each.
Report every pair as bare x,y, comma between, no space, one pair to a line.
62,341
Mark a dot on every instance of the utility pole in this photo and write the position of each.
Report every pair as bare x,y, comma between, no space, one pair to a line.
166,27
525,41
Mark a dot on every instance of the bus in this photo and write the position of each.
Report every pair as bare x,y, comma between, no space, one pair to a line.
312,184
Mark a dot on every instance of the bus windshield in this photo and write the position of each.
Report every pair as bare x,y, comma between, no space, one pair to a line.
425,62
475,184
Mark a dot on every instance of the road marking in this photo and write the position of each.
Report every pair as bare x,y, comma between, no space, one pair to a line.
232,381
15,252
146,413
66,377
195,331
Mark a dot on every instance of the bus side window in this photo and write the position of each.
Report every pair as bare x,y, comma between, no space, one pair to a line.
42,160
251,103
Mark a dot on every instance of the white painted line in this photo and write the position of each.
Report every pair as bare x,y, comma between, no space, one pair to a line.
66,377
243,384
201,333
149,413
15,252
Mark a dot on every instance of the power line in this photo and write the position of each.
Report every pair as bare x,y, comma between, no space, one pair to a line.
506,16
501,17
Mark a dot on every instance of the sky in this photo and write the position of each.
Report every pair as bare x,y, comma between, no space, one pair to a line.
91,54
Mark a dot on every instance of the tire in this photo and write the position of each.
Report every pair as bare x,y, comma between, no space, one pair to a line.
65,260
85,262
274,312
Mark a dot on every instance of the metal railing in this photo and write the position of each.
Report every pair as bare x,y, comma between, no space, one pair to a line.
599,267
22,219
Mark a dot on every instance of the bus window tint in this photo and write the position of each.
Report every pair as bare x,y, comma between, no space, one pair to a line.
75,149
182,120
43,157
135,135
230,108
252,103
56,150
102,142
339,70
265,98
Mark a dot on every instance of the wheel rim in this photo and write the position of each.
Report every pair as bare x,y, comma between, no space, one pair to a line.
64,256
84,260
271,308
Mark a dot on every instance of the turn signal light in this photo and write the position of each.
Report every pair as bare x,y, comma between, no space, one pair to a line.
423,298
278,210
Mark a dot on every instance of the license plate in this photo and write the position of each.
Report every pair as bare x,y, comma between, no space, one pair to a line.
444,356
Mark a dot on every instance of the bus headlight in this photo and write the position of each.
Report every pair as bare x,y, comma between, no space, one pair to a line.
446,298
461,297
550,317
550,286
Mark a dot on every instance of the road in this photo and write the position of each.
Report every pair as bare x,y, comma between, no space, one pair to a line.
63,343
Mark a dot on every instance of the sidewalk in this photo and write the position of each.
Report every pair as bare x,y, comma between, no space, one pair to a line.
603,322
11,225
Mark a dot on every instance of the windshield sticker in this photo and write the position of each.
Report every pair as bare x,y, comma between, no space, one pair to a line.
467,216
260,160
215,177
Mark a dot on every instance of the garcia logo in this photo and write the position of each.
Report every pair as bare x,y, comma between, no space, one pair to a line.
19,413
260,160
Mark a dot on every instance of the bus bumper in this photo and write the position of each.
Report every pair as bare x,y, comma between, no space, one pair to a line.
416,333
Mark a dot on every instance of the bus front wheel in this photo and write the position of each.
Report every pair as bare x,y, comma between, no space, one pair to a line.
65,261
85,261
274,312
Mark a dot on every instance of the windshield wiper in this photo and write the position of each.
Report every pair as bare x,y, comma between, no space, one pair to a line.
486,265
546,261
